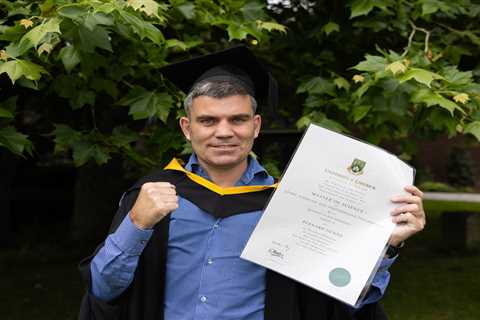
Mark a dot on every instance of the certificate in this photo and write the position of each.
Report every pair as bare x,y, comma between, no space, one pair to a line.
328,222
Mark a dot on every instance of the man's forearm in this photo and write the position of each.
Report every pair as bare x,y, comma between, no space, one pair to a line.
114,265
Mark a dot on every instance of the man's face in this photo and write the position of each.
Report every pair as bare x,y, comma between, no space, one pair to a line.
221,130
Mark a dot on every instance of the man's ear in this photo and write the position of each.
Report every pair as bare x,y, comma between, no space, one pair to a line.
185,125
257,123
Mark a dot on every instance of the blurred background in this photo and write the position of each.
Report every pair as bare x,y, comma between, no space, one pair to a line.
84,112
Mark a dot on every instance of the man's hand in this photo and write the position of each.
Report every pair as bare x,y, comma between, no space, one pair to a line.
409,216
154,202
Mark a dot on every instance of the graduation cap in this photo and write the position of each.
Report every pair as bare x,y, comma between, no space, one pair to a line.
236,64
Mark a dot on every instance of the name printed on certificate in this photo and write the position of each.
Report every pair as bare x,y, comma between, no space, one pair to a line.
328,222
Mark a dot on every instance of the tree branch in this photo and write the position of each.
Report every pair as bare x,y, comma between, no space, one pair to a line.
412,34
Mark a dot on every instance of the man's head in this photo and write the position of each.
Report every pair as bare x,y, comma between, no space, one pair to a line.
216,89
221,123
223,90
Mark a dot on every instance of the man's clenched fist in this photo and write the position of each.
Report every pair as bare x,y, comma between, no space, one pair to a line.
154,202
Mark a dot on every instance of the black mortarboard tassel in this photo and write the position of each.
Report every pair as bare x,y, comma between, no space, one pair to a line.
237,64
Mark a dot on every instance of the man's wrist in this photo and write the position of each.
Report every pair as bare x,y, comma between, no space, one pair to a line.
393,250
139,224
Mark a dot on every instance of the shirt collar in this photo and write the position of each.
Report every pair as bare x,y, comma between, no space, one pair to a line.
253,170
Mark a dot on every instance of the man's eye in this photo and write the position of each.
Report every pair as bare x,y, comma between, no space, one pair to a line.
239,120
206,121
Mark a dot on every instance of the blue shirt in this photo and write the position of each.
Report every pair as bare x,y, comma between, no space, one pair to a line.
205,277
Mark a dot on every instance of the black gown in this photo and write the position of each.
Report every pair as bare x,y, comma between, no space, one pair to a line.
285,299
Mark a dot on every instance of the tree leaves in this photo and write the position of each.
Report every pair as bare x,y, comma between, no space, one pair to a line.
96,38
372,64
123,136
421,75
236,31
361,7
92,145
7,107
187,9
65,137
474,129
82,98
15,141
330,27
97,50
341,83
454,76
463,98
84,151
431,98
359,112
33,37
75,12
149,7
5,113
143,28
70,57
396,67
22,68
253,10
271,26
317,85
148,104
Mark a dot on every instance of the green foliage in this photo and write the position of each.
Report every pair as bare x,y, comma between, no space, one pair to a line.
147,104
436,187
14,141
388,71
10,138
384,70
75,65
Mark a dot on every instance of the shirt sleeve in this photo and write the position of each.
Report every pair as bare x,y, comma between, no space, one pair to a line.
379,283
114,265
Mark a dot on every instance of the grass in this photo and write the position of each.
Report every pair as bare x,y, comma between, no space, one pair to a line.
434,288
41,282
430,282
35,287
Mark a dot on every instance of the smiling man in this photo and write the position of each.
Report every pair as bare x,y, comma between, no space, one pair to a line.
222,131
174,246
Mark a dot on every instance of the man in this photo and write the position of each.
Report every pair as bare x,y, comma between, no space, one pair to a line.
175,242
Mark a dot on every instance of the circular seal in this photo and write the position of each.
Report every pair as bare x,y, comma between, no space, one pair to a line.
339,277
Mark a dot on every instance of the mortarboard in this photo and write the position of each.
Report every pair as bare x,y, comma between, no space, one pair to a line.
237,64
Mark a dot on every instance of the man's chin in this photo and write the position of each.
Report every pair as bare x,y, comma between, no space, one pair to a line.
225,161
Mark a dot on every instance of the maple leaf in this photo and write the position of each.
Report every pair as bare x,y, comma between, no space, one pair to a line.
271,26
27,23
3,55
149,7
396,67
462,98
358,78
45,47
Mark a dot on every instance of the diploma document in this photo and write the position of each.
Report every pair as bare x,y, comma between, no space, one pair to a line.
328,222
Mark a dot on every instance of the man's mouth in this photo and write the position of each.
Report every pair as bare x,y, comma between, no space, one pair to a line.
224,146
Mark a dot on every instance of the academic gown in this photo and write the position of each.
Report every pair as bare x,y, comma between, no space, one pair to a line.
285,299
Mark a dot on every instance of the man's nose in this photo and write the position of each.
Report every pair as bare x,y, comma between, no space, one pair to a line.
224,129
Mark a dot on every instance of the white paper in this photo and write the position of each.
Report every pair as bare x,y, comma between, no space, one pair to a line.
327,223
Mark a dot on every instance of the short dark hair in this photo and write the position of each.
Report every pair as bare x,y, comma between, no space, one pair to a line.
216,89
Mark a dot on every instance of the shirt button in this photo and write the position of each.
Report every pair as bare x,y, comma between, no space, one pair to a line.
203,299
209,260
143,241
215,226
